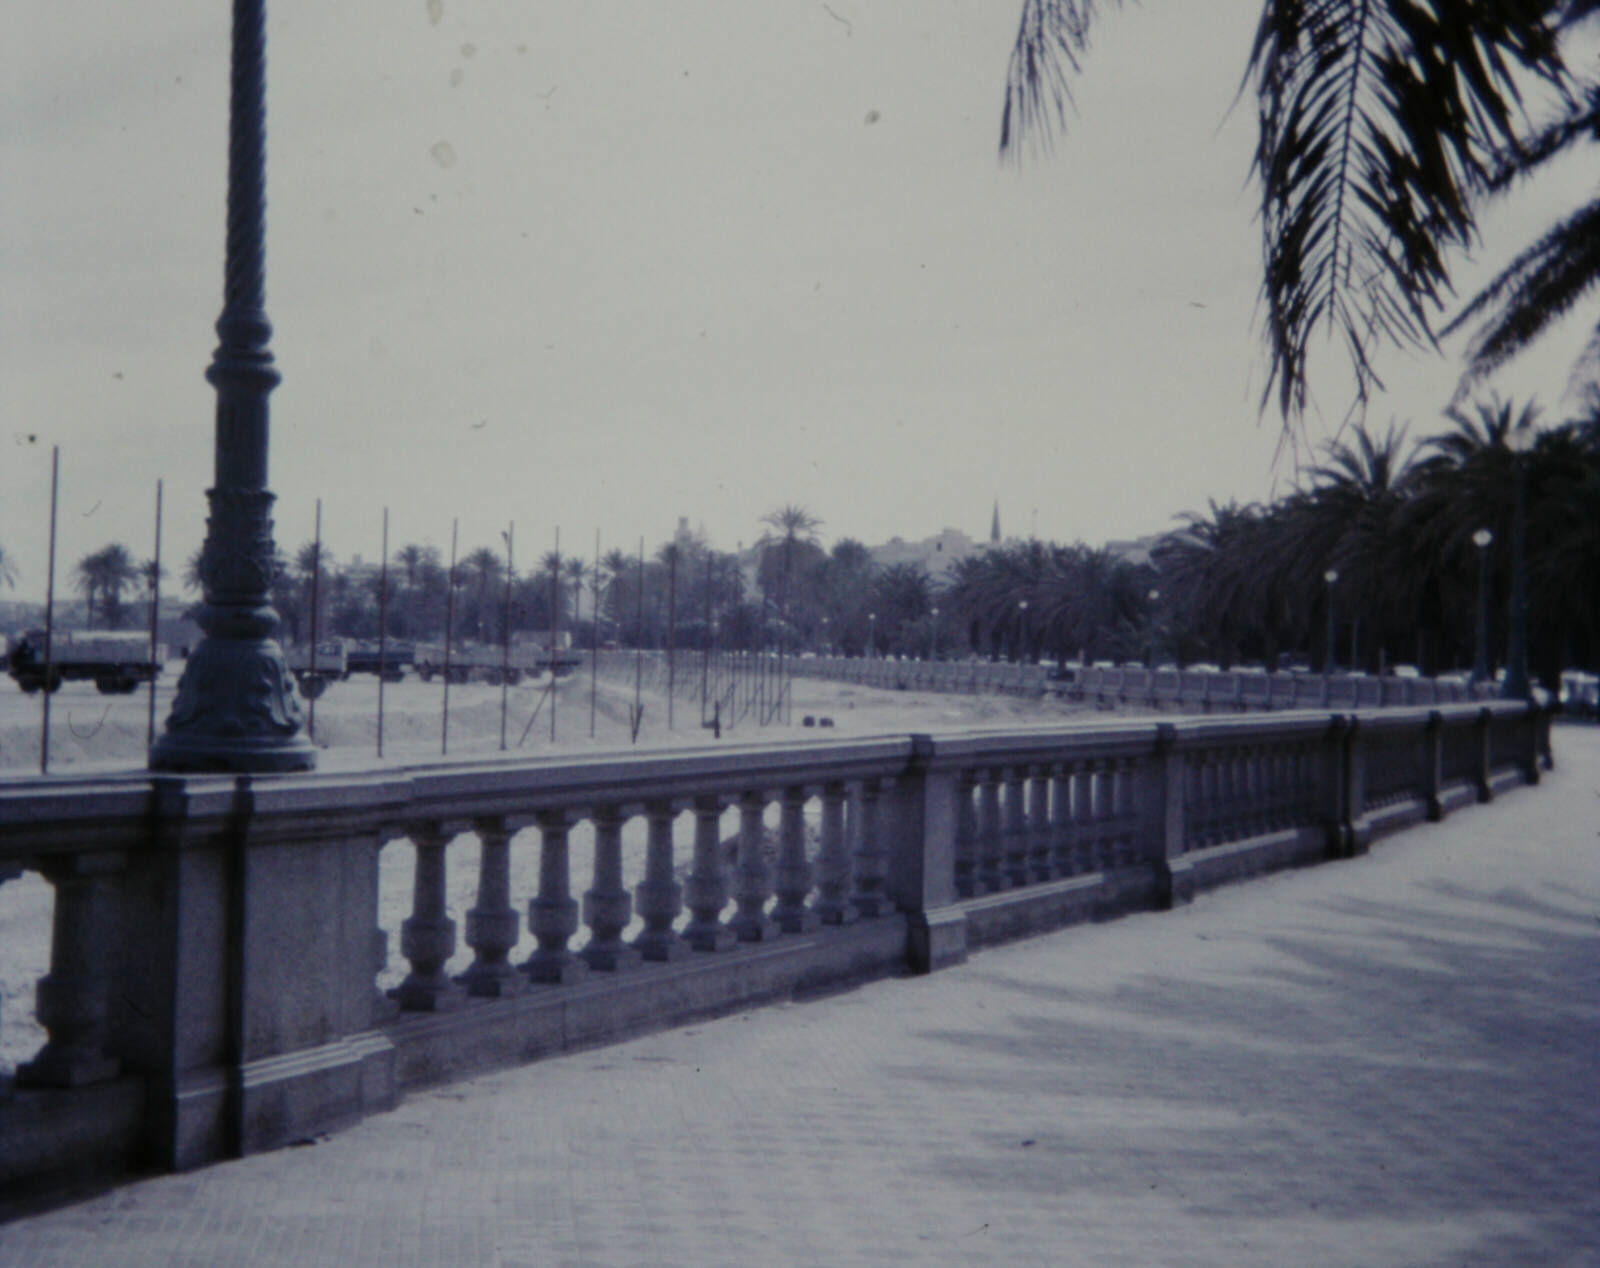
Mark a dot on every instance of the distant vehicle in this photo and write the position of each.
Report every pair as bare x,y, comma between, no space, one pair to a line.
487,662
1580,694
116,661
363,658
332,665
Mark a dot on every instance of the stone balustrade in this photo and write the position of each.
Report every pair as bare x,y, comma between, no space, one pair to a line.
213,978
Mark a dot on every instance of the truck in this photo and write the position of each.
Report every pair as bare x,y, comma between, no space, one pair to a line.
332,665
116,661
489,662
362,658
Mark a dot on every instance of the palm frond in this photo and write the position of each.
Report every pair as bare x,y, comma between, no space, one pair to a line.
1536,289
1051,36
1379,121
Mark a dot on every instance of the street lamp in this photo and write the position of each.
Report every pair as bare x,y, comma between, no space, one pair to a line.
935,655
1480,659
1022,609
1155,598
235,708
1331,577
872,635
1519,440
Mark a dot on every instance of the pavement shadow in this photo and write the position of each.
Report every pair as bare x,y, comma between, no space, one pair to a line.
1389,1064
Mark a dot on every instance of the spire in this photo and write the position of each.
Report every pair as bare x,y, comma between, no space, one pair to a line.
994,525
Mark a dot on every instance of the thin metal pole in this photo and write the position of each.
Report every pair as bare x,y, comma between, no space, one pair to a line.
505,636
555,625
383,624
638,647
316,578
449,638
49,613
594,640
705,654
672,630
155,622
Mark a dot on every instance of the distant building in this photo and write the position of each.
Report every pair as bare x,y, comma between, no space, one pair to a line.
938,554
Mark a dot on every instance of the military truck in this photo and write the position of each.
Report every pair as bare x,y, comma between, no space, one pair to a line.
332,665
488,662
362,658
116,661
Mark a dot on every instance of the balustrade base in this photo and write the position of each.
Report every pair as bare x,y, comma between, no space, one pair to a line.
708,937
754,927
56,1069
660,946
555,968
836,912
872,906
612,957
492,981
428,995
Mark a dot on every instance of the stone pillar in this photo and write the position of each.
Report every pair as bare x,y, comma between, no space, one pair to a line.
872,864
607,906
70,1001
832,906
921,826
752,875
492,923
428,935
794,872
553,915
1483,750
659,896
1083,829
707,890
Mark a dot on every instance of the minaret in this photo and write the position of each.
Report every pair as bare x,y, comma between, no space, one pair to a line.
994,525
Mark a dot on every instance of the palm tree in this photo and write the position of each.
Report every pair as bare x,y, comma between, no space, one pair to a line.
795,525
1384,127
484,566
577,572
106,573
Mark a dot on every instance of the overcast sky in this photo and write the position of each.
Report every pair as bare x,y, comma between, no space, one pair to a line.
599,265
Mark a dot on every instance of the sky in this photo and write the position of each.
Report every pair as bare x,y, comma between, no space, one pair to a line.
596,266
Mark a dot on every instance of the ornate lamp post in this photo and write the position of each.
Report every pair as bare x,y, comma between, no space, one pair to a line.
1516,687
235,708
1022,628
872,635
1480,659
935,614
1332,578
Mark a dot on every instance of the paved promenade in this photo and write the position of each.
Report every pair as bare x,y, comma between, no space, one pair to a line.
1394,1060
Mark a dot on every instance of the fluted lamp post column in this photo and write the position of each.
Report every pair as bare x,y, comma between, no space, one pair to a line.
1480,658
235,708
1516,686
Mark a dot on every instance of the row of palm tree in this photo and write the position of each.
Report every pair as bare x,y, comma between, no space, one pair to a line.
1394,526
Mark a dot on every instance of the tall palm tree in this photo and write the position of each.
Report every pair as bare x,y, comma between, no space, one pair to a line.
484,567
1384,126
577,573
106,573
794,525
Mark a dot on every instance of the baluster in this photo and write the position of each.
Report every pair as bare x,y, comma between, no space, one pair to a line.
832,905
428,935
752,875
1016,826
1061,833
553,915
968,883
1039,834
707,890
1127,813
1105,812
1083,852
659,896
872,863
991,834
70,1001
492,923
1209,833
608,907
794,873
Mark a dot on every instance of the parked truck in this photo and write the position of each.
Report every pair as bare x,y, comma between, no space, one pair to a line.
332,665
490,663
363,658
116,661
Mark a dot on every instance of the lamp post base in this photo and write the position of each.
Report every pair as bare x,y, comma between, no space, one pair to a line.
235,711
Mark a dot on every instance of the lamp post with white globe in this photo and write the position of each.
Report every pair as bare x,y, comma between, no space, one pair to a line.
1480,659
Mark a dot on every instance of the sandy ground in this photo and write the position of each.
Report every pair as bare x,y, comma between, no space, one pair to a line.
91,732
